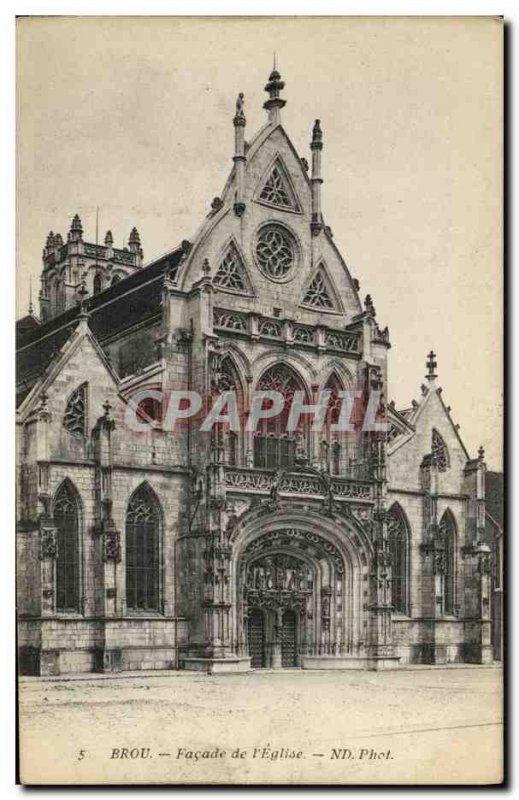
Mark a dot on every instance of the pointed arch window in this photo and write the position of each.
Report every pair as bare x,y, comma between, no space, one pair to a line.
320,293
447,541
342,449
75,417
276,190
231,272
274,446
439,451
224,441
334,449
143,552
398,539
66,520
98,283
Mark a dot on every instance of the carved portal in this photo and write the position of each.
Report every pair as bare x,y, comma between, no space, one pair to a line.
295,596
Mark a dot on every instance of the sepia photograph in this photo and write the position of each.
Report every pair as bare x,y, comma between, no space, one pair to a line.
259,400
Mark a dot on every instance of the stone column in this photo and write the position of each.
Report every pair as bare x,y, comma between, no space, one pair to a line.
108,604
380,649
316,146
477,556
239,157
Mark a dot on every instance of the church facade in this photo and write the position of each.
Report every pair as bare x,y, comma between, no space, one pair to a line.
225,550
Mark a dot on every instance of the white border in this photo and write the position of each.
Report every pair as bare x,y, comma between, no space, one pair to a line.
10,8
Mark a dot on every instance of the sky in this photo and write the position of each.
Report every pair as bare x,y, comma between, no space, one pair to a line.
134,116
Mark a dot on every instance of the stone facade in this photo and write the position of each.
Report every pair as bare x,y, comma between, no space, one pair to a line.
147,549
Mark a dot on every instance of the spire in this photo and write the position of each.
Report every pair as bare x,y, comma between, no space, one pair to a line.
76,229
275,103
431,365
109,239
58,240
50,240
31,307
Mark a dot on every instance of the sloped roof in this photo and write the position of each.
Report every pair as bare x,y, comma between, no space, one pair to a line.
132,300
24,325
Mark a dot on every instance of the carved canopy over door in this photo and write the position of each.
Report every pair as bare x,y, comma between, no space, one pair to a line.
279,581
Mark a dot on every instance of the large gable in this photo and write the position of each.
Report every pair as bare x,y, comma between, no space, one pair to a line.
271,209
426,430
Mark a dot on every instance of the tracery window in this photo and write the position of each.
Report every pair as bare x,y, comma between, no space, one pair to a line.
439,451
275,190
142,552
230,273
115,279
66,520
75,417
274,446
341,451
399,549
224,379
317,294
447,539
275,251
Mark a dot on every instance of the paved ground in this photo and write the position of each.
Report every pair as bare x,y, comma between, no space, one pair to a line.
418,725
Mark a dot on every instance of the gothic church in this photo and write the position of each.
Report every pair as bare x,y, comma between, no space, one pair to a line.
226,551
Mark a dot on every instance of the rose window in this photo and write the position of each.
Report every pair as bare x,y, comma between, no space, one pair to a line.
275,251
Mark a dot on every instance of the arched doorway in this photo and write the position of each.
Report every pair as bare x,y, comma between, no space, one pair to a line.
298,594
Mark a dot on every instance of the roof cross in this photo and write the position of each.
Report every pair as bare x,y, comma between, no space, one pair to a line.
431,365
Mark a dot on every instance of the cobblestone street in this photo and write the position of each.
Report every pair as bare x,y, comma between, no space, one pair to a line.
418,725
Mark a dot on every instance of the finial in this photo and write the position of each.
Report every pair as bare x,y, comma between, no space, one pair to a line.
206,267
134,237
239,117
109,239
368,305
317,136
275,61
431,365
31,308
481,453
58,240
275,103
135,242
76,229
50,240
